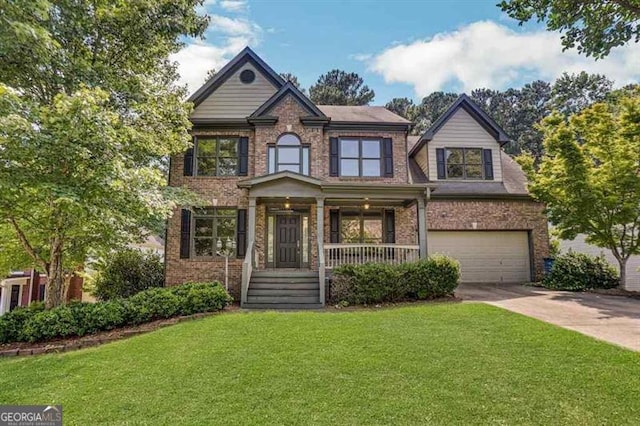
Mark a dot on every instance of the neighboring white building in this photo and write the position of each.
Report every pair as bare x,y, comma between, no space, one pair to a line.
579,245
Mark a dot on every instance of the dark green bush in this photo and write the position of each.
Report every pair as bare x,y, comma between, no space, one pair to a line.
35,324
434,277
12,323
578,271
126,273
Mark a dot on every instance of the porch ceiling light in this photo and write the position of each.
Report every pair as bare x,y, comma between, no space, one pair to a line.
287,204
366,204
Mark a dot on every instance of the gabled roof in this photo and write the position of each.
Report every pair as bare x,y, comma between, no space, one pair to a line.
288,89
246,55
361,114
474,111
257,180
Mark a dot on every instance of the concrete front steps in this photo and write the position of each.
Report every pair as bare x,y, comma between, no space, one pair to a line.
283,290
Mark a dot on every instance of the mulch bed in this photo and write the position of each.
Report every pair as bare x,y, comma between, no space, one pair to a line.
74,343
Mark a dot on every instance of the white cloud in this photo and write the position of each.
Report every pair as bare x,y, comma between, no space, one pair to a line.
234,5
231,35
487,54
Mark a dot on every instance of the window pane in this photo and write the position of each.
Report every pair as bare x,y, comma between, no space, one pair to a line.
288,140
206,147
228,147
272,159
349,168
203,246
204,227
474,171
350,229
305,239
289,155
370,149
305,161
372,230
454,170
227,166
454,156
349,148
473,156
370,167
290,167
270,231
206,166
226,230
226,212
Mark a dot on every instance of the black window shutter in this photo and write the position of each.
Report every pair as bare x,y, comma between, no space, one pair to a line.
440,161
333,157
488,164
387,157
185,234
188,161
241,233
390,226
243,156
334,225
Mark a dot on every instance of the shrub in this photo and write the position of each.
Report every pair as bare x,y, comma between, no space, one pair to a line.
126,273
578,271
434,277
78,319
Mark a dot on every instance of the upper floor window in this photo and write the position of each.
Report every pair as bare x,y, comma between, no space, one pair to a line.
464,163
216,156
288,154
215,230
360,157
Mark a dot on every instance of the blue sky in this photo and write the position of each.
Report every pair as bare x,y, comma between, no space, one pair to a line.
400,48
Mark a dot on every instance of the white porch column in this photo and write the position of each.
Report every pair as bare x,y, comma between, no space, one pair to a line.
251,236
320,237
422,227
251,225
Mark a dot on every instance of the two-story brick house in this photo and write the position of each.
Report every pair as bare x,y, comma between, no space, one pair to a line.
294,189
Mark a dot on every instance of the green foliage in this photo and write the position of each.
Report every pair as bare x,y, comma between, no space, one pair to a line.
589,178
127,272
594,26
287,76
340,88
34,324
437,276
89,110
578,271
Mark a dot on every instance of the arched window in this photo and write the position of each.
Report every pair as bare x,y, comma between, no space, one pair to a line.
288,154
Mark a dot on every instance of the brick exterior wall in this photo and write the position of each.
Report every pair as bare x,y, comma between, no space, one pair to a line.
223,191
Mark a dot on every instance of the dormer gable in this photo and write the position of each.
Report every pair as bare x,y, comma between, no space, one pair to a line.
237,90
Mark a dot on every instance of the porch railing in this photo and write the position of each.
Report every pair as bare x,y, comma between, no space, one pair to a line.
247,268
358,254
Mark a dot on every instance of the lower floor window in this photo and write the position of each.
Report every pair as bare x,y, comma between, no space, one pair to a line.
361,227
215,231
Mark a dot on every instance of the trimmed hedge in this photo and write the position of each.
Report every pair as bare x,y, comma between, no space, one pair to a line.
34,324
437,276
578,271
126,273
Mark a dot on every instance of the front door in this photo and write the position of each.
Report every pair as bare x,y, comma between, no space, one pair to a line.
288,241
15,297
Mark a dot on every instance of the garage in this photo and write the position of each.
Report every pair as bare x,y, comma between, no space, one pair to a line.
485,256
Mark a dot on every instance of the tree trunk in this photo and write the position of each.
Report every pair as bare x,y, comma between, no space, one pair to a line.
56,279
623,272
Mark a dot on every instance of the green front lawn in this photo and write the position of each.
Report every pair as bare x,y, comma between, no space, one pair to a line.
446,363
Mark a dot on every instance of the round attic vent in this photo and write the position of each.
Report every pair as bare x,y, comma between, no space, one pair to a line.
247,76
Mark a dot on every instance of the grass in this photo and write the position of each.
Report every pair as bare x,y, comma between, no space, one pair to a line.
434,364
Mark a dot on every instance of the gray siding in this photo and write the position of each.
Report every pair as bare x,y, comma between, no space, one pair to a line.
462,131
234,99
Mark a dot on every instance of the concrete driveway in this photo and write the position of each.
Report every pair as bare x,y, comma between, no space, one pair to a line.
613,319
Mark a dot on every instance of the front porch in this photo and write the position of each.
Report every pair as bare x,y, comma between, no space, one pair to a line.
297,225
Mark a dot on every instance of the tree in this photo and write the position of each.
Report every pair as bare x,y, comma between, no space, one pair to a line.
210,74
572,93
588,177
287,76
341,88
88,109
594,26
431,107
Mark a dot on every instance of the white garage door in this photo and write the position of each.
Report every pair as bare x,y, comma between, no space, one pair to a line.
485,256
